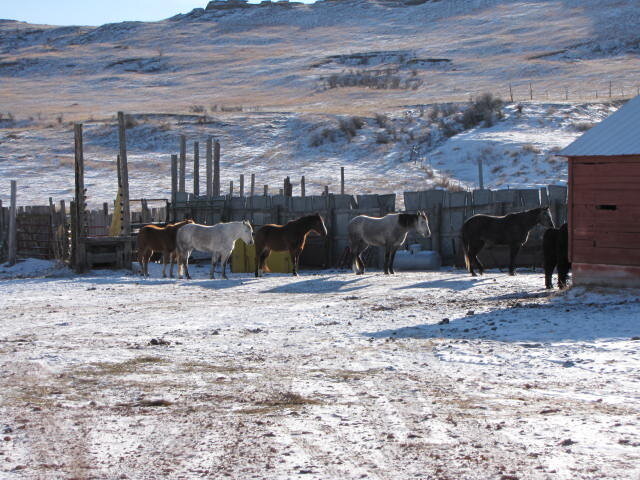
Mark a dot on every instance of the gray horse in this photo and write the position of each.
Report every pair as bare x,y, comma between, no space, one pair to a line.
389,232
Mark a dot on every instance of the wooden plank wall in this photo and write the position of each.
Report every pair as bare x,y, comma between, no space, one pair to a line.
447,211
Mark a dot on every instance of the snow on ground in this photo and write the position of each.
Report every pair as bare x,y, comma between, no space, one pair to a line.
328,375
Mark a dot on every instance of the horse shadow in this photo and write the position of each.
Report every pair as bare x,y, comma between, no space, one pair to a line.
449,284
534,324
318,285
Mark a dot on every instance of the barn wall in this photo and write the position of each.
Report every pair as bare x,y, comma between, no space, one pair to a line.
605,210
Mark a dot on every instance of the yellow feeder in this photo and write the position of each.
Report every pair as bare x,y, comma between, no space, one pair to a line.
243,260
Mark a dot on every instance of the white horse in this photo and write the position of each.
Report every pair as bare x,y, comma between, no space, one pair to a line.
218,239
389,232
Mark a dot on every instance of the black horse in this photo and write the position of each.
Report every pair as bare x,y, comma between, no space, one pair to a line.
555,246
511,229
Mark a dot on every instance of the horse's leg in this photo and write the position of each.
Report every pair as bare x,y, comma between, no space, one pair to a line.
392,257
166,255
142,260
472,251
294,253
514,248
477,260
185,264
387,255
262,260
355,266
173,258
224,265
214,260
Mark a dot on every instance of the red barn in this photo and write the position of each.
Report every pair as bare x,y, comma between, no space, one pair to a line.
604,200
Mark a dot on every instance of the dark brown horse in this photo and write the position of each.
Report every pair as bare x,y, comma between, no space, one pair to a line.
555,247
511,229
153,238
290,237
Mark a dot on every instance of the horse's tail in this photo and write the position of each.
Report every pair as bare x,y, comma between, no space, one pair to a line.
465,249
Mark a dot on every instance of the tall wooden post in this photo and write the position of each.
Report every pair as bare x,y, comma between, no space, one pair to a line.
183,162
480,174
341,180
78,210
13,234
241,185
216,168
253,184
209,167
124,173
196,169
266,190
174,185
530,91
302,187
511,93
231,188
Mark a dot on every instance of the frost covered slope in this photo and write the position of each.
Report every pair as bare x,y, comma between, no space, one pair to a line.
272,84
518,151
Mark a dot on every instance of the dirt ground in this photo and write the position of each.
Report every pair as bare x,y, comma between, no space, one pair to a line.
421,375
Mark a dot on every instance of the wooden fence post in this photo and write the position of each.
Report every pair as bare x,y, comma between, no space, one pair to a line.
302,187
124,172
511,93
174,185
216,168
253,184
242,185
266,190
209,167
13,234
341,180
78,212
196,169
231,188
183,161
530,91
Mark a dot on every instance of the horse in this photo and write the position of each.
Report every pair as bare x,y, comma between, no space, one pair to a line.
511,229
218,239
289,237
555,247
389,232
152,238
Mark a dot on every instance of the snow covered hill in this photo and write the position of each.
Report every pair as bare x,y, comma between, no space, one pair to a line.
305,89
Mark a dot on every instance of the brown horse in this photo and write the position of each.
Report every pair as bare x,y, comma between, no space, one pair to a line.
290,237
153,238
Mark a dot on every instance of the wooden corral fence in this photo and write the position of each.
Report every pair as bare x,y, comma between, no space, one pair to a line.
41,231
45,230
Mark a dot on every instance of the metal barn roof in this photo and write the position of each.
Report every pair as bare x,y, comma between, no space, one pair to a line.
618,134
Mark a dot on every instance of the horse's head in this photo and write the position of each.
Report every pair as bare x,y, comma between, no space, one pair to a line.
422,224
247,232
318,225
544,218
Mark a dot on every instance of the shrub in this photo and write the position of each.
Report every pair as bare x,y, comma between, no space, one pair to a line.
582,126
486,109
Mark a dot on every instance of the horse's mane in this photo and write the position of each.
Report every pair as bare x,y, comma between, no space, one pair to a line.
303,219
407,220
